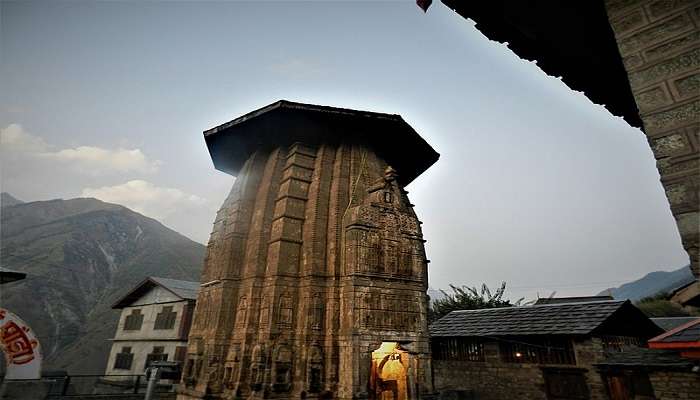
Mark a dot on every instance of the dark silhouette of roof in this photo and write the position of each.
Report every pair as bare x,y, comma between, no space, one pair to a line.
185,290
579,299
8,275
568,39
603,317
284,122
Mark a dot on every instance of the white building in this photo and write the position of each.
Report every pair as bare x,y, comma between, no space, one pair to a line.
153,326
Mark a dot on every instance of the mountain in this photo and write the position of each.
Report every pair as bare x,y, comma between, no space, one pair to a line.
7,199
80,256
651,284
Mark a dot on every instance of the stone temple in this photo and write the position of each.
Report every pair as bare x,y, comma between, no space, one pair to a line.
314,284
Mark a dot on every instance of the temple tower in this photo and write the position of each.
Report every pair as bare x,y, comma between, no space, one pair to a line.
314,284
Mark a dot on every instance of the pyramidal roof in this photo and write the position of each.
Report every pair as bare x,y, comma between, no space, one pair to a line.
283,123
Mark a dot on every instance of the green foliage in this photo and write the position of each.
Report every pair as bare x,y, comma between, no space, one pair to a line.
658,305
468,298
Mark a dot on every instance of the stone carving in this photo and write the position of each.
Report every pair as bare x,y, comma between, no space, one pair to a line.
316,312
285,311
318,258
242,312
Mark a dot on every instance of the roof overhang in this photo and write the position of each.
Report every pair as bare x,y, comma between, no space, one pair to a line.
283,123
7,275
687,295
139,290
568,39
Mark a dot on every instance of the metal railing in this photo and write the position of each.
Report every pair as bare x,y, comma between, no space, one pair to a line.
66,386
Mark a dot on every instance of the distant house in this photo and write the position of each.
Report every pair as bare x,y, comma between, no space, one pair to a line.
534,352
668,370
688,294
684,339
154,324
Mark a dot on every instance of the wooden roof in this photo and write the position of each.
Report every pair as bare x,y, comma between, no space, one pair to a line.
285,122
598,317
568,39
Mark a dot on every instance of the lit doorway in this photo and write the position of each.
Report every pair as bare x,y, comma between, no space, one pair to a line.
389,373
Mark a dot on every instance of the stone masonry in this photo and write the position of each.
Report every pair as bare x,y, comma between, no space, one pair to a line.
674,385
659,41
316,259
494,379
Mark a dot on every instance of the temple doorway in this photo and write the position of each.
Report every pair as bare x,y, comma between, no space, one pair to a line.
389,373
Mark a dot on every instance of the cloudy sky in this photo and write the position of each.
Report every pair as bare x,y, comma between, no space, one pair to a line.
536,186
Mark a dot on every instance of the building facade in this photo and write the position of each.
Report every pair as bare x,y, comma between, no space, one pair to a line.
153,326
315,280
541,352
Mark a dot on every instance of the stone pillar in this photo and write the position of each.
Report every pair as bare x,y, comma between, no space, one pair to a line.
659,42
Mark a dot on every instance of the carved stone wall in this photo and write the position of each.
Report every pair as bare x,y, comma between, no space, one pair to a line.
316,258
659,41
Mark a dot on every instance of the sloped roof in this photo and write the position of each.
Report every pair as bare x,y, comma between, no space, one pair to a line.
285,122
580,299
668,323
568,39
8,275
185,290
549,319
687,333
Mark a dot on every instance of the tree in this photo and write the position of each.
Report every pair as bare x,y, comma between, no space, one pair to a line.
658,305
468,298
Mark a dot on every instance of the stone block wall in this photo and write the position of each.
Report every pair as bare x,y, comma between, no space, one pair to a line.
659,41
491,379
496,380
674,385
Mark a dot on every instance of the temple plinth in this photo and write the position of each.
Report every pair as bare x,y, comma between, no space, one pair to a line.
314,284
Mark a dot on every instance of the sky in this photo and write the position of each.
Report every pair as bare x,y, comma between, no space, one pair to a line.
536,185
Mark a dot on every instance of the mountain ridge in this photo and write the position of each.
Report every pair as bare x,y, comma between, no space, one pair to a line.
80,255
651,284
7,199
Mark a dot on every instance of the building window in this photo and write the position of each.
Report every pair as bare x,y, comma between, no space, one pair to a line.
617,344
124,359
165,318
459,349
158,354
388,197
537,350
133,321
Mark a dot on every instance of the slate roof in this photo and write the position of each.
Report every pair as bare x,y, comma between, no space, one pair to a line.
687,333
8,275
551,319
668,323
186,290
641,357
